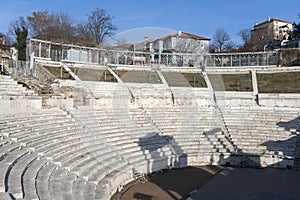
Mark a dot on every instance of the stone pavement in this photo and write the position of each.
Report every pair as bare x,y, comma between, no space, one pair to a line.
253,184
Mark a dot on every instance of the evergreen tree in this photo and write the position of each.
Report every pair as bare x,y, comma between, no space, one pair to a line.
21,35
296,30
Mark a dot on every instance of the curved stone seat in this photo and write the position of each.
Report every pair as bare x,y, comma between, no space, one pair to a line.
60,184
46,146
29,178
68,152
9,87
9,160
78,188
42,180
53,137
88,163
111,182
96,176
7,146
257,131
15,178
31,125
4,196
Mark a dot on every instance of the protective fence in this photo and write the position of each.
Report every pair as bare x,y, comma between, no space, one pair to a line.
241,59
111,56
21,69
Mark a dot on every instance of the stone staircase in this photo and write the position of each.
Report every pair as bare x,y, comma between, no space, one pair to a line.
15,98
10,89
141,178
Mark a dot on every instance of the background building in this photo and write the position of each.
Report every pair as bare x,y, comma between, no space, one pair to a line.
270,33
173,45
180,42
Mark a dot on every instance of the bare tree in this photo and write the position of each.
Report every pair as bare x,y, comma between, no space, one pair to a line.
97,27
51,26
230,45
220,38
60,27
245,35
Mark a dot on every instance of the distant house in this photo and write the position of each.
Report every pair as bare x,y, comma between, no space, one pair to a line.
270,32
172,45
4,54
4,48
180,42
179,49
123,47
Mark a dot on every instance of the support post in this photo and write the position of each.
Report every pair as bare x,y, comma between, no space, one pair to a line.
254,86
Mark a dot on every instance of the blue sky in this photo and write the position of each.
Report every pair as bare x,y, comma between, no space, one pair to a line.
193,16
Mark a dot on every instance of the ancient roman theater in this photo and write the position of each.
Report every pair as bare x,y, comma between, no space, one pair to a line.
85,123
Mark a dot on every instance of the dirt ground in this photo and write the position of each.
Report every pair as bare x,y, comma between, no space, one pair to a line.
169,185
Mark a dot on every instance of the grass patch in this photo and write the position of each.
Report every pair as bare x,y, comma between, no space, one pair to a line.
139,76
59,72
237,82
195,79
88,74
286,82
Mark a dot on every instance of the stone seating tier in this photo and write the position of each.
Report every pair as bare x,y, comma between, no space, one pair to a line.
88,152
10,89
263,131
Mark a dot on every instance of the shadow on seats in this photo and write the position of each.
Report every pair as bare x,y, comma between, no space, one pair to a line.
279,153
164,150
165,154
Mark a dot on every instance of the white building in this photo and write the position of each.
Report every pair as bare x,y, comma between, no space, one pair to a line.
175,47
180,42
269,31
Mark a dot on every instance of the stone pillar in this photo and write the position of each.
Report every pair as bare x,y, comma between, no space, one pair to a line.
49,51
254,86
40,49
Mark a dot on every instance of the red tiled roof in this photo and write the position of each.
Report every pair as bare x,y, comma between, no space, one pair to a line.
272,20
197,37
184,34
126,45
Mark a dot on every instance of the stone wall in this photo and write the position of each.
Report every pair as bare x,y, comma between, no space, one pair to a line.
289,57
20,105
279,100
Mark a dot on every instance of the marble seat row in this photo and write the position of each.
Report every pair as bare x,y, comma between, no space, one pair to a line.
89,152
10,89
19,169
263,131
128,127
64,148
194,129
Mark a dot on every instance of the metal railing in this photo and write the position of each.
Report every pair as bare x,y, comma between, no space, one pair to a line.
21,69
242,59
110,56
66,52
